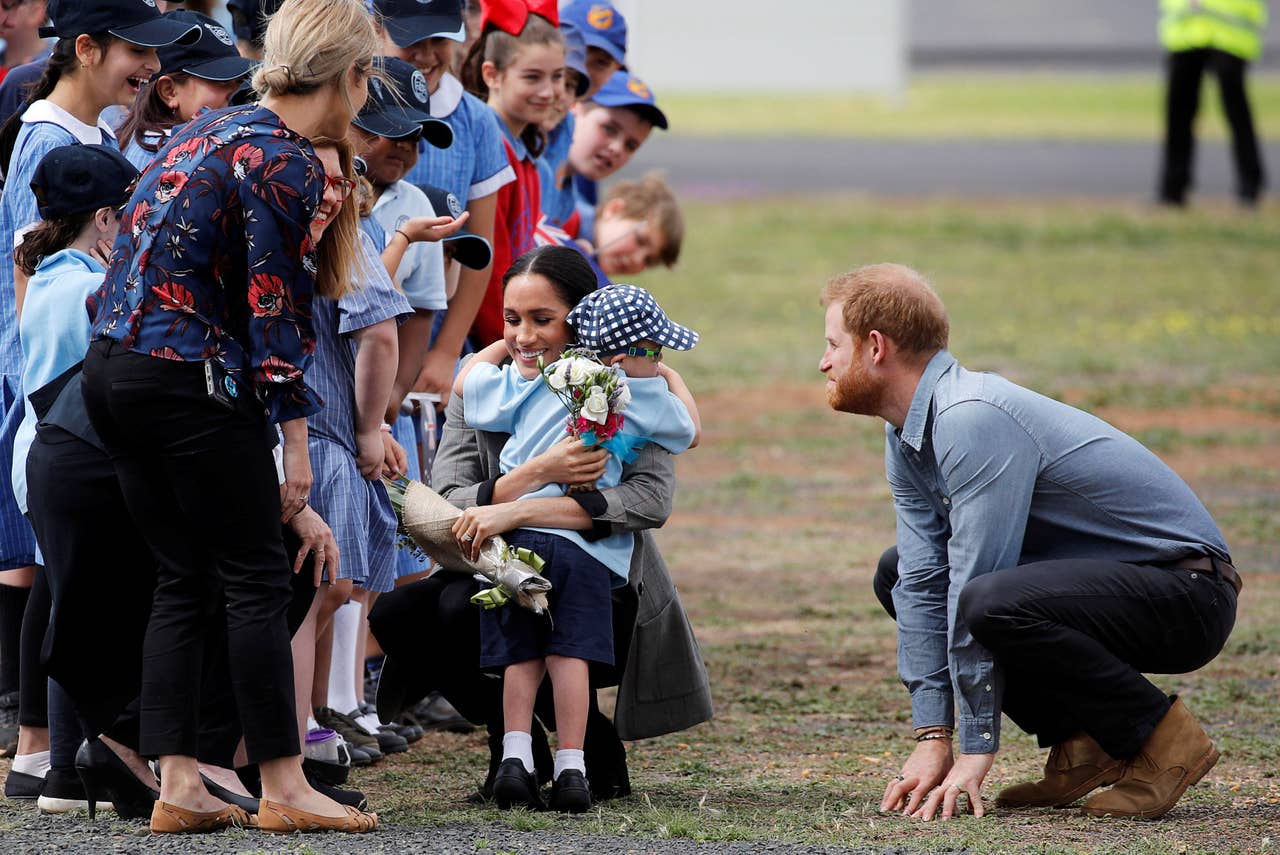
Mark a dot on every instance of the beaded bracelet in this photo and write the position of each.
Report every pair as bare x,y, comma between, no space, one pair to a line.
937,732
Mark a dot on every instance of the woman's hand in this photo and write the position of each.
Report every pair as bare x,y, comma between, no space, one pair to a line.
317,539
570,461
965,777
395,461
296,489
482,522
370,453
432,228
102,251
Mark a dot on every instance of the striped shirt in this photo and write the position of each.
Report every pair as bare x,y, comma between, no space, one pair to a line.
475,165
553,174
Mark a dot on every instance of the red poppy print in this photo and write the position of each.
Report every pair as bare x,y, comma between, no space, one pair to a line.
138,217
170,185
174,297
279,370
266,295
245,159
167,353
183,152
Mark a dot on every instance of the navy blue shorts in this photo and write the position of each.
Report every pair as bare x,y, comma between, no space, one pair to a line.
581,606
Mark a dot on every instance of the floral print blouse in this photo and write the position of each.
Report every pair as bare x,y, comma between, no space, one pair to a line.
214,258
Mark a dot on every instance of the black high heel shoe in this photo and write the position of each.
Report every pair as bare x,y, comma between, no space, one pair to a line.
102,771
246,803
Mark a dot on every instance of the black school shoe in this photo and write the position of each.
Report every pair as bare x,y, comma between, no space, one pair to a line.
570,793
20,786
64,793
513,786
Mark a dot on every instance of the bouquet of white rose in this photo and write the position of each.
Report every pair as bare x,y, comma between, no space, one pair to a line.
595,395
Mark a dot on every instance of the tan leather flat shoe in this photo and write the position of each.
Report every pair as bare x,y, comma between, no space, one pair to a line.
171,819
286,819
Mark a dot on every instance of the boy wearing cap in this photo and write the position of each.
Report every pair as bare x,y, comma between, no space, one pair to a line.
427,33
610,128
628,327
604,30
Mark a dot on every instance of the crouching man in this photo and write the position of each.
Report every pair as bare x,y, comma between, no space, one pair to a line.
1045,560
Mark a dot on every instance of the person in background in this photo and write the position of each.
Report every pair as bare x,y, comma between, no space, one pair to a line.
249,22
1222,36
517,65
473,169
610,128
604,29
637,226
191,78
554,177
20,22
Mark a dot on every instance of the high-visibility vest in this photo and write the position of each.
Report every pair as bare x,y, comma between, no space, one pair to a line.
1234,26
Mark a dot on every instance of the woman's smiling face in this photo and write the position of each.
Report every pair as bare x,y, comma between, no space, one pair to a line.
534,324
332,200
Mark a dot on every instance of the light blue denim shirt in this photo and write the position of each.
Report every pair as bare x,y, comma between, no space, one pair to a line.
987,475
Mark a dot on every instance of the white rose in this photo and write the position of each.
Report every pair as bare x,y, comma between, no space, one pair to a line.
558,376
580,370
596,406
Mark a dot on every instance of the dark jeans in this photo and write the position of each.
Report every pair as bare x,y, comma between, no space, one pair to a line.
1074,637
200,484
1185,70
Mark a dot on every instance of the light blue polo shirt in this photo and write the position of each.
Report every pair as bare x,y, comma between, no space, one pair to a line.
421,272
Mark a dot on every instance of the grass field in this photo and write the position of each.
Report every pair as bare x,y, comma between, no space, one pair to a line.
1168,325
994,106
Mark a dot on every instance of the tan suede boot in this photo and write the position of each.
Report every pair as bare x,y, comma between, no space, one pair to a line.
1074,767
1176,755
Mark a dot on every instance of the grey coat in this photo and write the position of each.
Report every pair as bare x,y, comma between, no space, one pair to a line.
664,687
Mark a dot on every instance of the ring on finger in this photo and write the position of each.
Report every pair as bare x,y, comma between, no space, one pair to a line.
468,538
899,778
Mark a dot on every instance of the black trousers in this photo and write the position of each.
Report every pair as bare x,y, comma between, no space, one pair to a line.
1075,636
1185,70
200,484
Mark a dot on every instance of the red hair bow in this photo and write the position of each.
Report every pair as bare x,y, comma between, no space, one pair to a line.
510,16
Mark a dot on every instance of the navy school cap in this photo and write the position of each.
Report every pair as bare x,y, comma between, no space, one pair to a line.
404,114
469,249
575,54
618,316
81,178
213,56
624,89
136,21
602,26
410,21
249,18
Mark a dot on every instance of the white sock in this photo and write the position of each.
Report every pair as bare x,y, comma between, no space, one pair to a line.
518,744
312,724
36,763
342,663
569,758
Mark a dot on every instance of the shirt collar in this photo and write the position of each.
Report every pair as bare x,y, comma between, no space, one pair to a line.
71,256
522,151
912,430
446,98
47,111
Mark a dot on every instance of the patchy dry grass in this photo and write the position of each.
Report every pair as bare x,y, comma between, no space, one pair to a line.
1165,325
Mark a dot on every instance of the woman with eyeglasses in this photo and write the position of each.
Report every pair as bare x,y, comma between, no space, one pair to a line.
202,337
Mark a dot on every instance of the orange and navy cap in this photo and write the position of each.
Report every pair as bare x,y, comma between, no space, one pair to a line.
624,89
602,26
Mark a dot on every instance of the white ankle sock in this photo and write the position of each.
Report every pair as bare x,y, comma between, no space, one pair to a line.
518,744
36,763
569,758
342,663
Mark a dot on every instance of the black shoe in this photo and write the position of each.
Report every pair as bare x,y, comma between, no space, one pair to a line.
570,793
21,787
246,803
514,786
102,771
360,756
64,792
435,713
354,798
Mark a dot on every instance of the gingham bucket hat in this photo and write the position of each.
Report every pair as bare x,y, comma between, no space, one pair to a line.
620,315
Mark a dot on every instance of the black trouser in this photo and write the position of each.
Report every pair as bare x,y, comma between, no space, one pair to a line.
1074,637
200,484
1185,70
33,678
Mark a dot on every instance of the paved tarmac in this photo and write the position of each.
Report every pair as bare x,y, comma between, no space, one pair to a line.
710,168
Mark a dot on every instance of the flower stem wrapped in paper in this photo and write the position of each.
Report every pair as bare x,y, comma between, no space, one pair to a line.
595,395
427,518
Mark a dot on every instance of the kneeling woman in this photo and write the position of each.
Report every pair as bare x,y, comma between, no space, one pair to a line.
202,336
